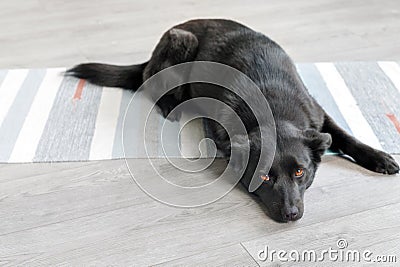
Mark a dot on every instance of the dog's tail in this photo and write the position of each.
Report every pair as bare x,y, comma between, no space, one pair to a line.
127,77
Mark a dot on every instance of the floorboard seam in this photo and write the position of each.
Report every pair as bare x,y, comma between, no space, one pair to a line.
249,253
71,219
187,256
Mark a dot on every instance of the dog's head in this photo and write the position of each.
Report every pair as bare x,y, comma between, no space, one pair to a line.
295,162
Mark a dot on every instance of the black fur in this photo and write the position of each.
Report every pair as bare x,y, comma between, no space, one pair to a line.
304,130
129,77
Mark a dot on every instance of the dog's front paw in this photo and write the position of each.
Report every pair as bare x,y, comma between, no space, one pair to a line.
380,162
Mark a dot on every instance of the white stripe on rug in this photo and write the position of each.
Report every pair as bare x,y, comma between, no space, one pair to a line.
32,129
9,90
106,124
392,70
347,105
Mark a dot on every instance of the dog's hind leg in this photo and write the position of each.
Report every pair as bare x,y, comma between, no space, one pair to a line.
176,46
364,155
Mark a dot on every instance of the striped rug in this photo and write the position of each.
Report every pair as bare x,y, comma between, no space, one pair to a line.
45,117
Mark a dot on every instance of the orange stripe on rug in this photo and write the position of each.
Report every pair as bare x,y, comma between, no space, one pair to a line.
394,120
79,90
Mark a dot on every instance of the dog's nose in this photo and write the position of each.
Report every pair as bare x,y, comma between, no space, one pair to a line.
291,213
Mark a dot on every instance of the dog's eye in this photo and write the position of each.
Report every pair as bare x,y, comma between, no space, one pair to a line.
299,173
265,178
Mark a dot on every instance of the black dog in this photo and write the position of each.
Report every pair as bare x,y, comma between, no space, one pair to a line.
304,131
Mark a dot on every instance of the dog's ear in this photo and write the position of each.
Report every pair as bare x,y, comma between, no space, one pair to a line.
318,142
240,152
246,151
241,146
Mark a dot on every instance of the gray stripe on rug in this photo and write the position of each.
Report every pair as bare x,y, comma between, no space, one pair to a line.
207,134
130,130
70,127
159,149
153,126
13,122
376,97
318,89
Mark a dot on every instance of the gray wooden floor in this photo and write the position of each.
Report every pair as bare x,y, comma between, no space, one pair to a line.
92,213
